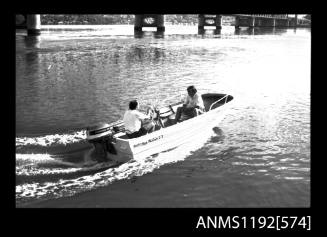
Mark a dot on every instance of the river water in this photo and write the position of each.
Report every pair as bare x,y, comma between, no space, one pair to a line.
71,77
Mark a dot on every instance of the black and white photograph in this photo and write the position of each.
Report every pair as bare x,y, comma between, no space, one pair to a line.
163,111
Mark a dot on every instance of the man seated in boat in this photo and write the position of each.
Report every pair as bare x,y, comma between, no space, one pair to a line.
192,106
133,120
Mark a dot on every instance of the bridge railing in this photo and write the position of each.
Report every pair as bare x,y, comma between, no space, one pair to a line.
280,16
284,16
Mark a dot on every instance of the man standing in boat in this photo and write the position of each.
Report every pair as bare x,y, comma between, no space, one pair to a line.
192,106
133,120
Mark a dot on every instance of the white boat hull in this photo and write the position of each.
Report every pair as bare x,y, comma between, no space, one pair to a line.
168,138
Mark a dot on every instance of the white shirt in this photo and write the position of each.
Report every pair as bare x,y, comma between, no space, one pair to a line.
196,100
132,120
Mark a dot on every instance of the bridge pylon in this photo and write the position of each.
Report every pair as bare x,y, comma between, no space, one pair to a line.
33,24
149,20
209,20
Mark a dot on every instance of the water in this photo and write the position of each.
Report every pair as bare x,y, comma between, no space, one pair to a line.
74,76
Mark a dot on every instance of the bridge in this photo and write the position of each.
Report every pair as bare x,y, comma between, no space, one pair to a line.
266,20
33,22
254,20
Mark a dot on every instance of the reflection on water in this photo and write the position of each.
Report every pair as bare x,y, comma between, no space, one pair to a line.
154,34
107,67
256,31
69,79
32,42
209,31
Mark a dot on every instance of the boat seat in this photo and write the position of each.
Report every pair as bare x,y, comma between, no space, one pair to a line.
166,115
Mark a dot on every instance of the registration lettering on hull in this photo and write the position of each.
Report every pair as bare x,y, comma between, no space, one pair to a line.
148,141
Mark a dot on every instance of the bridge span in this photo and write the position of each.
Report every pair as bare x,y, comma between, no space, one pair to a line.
33,21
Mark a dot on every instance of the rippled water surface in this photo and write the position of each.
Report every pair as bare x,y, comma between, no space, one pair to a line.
258,155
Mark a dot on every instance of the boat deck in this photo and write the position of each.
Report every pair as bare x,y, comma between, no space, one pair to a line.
166,115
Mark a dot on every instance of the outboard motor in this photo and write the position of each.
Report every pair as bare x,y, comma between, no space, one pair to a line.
101,136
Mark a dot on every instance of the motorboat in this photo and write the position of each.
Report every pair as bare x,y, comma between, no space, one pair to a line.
111,142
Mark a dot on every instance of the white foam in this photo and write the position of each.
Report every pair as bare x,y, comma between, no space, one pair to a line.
33,157
127,170
49,140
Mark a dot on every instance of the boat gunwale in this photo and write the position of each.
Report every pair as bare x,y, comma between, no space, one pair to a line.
157,132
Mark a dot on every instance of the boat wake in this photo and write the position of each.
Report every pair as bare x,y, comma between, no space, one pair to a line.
65,167
53,144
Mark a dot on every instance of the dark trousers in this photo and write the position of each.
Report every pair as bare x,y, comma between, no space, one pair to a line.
140,132
190,112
